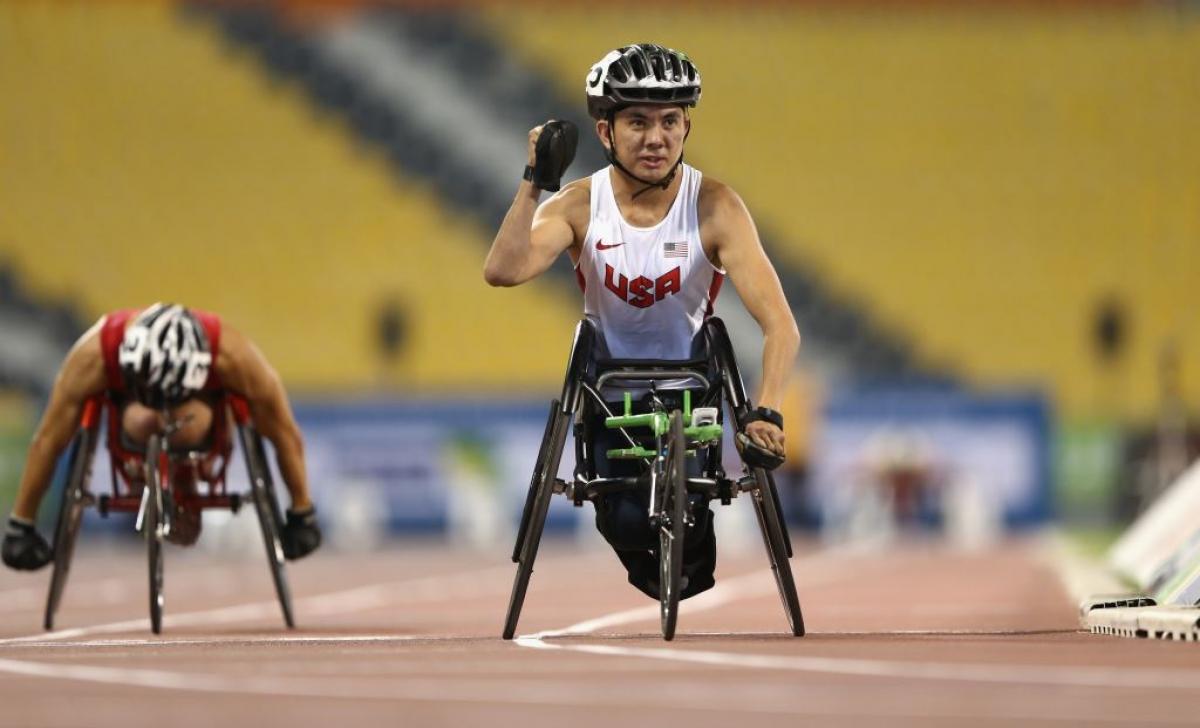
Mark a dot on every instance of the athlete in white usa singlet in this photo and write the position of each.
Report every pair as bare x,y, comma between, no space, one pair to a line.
652,240
648,289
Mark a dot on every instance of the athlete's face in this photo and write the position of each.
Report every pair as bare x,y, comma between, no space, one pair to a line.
649,139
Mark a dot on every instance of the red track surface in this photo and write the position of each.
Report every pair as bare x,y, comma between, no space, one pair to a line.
914,636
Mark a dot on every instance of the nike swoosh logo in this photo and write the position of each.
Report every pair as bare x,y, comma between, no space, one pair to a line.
601,246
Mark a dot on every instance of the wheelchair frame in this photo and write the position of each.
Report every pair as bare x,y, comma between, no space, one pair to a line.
154,504
585,485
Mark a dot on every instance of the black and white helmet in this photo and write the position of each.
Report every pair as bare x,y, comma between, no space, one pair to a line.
644,73
165,355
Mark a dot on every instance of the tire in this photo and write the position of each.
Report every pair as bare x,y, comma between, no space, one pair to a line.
270,520
771,524
531,494
152,528
787,537
70,516
671,510
539,505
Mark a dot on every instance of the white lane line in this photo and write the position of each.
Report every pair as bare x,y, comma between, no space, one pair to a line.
228,641
1060,676
747,587
468,584
823,568
673,695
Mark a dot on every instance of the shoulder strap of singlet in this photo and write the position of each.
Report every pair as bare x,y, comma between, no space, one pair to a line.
111,334
212,329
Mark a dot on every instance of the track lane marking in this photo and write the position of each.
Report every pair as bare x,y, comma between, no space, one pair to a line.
749,586
687,697
478,582
674,695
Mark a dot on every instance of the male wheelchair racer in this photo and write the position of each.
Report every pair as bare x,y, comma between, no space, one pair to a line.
161,483
677,433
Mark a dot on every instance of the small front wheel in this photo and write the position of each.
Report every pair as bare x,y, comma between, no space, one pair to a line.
153,526
671,511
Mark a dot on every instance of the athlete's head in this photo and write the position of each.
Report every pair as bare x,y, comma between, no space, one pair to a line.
165,356
639,96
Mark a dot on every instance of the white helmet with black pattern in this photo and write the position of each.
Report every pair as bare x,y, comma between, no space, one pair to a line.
165,355
643,73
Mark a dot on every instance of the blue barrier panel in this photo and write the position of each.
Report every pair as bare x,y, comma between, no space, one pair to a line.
428,462
998,443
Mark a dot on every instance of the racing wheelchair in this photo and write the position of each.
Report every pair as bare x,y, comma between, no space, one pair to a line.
144,485
675,435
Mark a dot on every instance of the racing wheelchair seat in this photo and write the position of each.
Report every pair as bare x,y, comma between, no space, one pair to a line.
144,482
677,431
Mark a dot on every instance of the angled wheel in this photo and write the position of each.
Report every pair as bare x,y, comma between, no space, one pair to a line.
670,510
154,525
771,524
537,504
70,516
270,520
530,496
787,538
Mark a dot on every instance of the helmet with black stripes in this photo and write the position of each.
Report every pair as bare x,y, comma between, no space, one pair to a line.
165,355
643,73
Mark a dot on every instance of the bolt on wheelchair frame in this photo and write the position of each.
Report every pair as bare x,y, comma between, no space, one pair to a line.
666,467
154,505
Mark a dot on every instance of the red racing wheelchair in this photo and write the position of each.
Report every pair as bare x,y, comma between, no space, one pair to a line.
144,483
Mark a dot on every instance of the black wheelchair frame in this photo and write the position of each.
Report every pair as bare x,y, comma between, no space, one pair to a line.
153,505
667,512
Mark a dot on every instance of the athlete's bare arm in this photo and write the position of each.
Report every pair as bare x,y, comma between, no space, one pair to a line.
80,377
244,369
531,237
731,238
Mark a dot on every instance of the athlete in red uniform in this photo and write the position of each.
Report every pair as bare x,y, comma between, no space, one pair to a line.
163,359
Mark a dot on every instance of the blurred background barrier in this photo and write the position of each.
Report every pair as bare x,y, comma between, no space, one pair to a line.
963,201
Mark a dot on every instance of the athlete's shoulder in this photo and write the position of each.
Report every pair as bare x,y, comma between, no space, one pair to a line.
571,204
717,199
573,194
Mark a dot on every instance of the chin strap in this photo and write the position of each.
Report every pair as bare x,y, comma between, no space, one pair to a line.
611,153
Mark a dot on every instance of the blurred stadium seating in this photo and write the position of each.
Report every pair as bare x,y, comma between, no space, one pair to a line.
152,161
980,177
951,194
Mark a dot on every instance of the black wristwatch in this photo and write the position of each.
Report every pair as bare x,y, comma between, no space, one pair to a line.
528,176
762,414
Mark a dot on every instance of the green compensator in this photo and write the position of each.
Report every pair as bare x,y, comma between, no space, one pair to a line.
659,423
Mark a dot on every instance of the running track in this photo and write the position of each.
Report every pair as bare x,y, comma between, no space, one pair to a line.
911,636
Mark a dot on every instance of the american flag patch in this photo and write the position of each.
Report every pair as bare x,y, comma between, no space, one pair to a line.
675,250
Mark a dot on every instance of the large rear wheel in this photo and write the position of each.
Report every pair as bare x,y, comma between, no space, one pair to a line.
535,479
270,520
771,523
70,516
538,505
670,512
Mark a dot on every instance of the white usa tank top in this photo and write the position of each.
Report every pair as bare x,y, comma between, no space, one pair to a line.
648,290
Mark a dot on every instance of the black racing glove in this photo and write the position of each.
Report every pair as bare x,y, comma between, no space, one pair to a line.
24,548
752,454
552,154
301,534
755,456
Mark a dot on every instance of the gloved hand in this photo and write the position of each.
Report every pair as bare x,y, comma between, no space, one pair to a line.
24,548
755,456
551,153
301,534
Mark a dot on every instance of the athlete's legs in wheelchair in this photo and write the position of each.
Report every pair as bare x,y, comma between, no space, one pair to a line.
623,517
195,417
